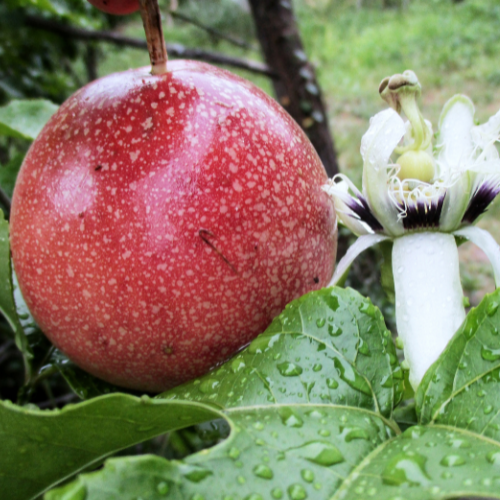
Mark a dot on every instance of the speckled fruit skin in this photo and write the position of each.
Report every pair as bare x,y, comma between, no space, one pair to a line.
159,223
117,7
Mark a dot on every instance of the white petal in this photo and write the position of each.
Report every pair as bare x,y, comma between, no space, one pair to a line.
487,244
339,191
455,157
360,245
429,297
484,136
386,130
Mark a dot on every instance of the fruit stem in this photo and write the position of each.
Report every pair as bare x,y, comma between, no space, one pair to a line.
151,20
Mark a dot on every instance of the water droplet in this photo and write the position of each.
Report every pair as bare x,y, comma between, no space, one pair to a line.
196,474
459,443
369,309
363,348
234,453
332,383
237,365
162,488
197,496
241,480
289,418
320,322
321,453
209,385
334,331
277,493
487,409
297,492
446,475
258,426
332,302
351,433
288,369
490,354
263,471
260,344
317,367
462,365
452,460
324,432
414,432
406,468
307,475
492,308
351,377
254,496
493,457
387,381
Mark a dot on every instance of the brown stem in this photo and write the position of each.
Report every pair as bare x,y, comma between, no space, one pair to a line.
151,19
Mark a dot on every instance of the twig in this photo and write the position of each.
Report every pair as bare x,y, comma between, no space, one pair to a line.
217,34
173,49
151,20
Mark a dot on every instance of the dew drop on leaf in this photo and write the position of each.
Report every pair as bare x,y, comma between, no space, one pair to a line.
487,409
162,488
363,348
459,443
352,378
334,331
263,471
492,308
209,385
332,383
237,365
321,453
307,475
254,496
297,492
414,432
351,433
452,460
277,493
317,367
406,468
320,322
288,369
493,457
259,344
289,418
490,354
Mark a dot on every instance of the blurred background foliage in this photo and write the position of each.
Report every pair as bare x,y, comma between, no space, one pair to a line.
452,45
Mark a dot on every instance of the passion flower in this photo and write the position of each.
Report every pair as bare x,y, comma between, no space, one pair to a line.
422,197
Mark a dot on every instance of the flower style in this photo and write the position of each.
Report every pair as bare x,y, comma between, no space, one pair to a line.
422,201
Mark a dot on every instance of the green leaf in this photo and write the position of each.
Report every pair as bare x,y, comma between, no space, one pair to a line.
461,387
431,463
39,449
8,173
328,347
25,119
7,304
328,350
83,384
285,451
